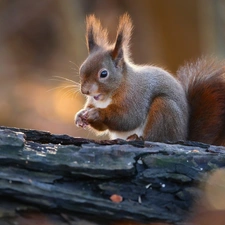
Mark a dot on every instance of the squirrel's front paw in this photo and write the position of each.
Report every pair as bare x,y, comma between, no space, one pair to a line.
92,115
81,118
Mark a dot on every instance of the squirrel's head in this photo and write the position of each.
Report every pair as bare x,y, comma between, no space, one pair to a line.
105,67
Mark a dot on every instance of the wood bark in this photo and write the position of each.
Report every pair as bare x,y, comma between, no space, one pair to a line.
68,180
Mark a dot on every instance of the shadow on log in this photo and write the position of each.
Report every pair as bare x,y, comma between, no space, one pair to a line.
58,179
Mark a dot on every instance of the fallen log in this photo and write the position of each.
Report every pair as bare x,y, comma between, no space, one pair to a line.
66,179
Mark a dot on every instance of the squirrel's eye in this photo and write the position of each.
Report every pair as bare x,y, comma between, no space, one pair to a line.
103,73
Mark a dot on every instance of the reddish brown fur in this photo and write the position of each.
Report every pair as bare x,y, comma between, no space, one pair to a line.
204,82
124,33
95,34
154,115
162,109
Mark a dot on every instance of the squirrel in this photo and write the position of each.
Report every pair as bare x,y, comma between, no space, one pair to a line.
125,99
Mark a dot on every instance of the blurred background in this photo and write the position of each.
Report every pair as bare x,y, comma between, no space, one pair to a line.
42,42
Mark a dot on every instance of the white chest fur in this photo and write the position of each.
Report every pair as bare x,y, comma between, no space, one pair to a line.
102,104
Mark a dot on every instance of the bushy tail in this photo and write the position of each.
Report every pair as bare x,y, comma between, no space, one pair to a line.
204,83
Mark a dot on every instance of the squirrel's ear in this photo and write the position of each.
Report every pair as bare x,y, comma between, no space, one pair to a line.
121,48
95,35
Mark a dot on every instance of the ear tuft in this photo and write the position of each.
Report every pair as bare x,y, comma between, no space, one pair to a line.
125,30
96,36
121,48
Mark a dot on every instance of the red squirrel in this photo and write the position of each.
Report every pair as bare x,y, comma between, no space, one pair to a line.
125,99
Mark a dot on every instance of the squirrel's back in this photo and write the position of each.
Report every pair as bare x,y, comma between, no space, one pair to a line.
204,84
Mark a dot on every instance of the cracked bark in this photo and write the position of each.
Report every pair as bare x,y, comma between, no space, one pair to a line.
69,179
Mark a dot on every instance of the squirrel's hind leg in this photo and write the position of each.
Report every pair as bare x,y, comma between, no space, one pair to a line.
166,121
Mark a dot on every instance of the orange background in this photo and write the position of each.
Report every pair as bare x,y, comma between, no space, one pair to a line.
43,40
